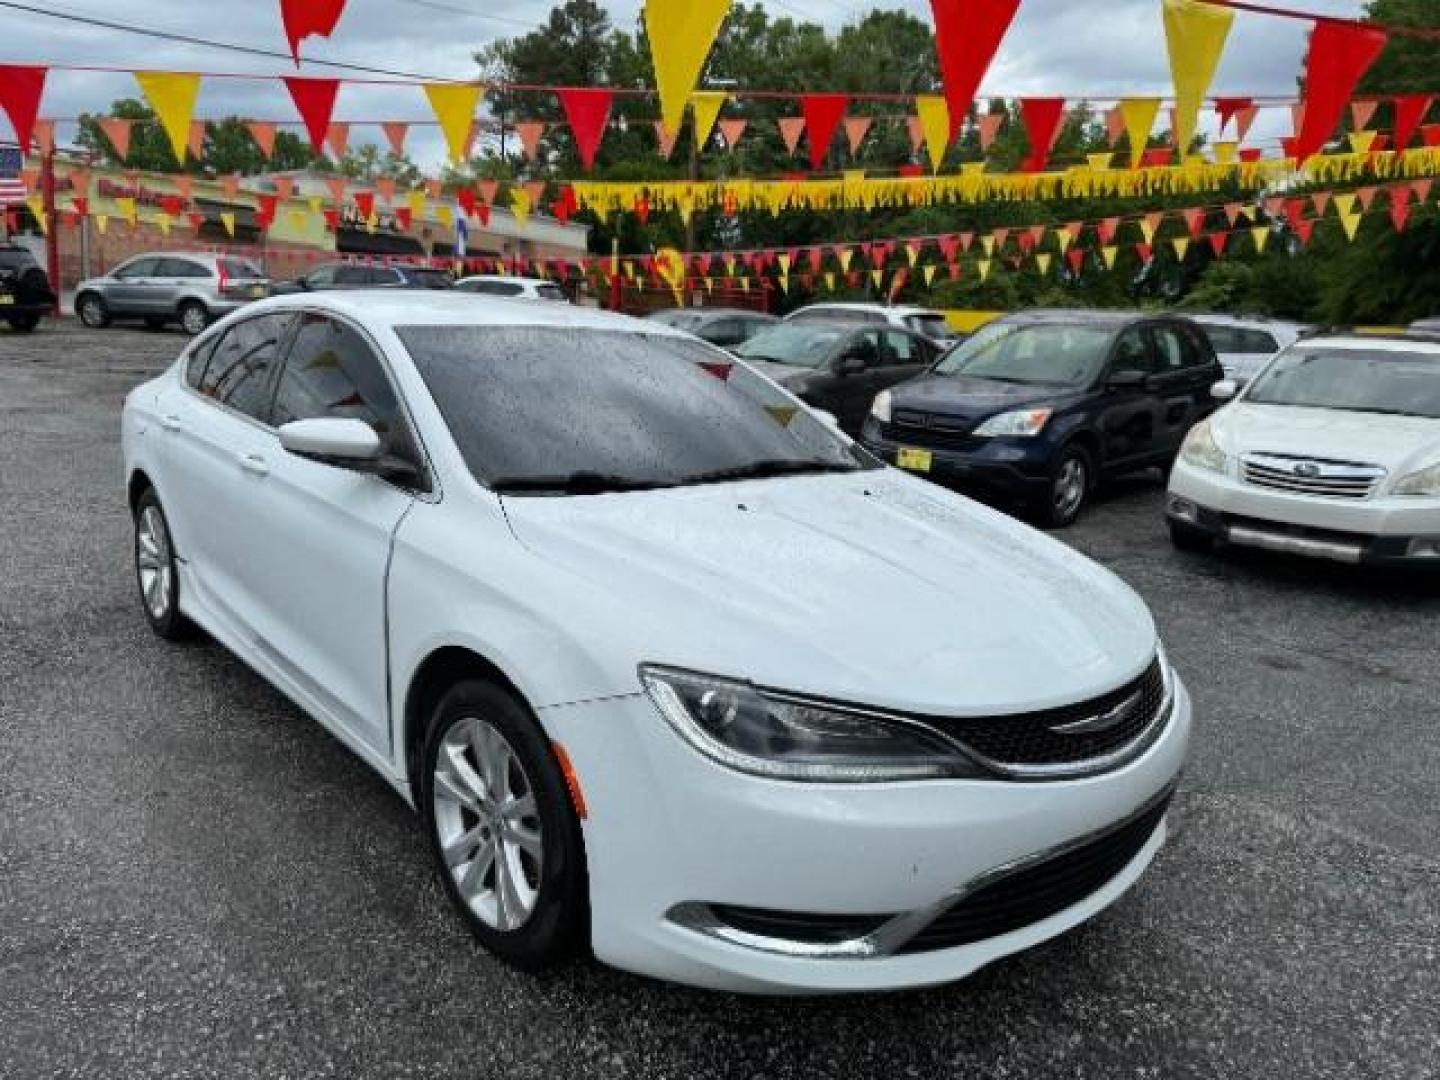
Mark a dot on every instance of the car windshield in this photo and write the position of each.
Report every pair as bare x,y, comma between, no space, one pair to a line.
1047,354
802,346
1353,378
547,410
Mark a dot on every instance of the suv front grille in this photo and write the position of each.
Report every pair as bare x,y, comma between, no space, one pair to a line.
928,430
1030,893
1311,476
1038,741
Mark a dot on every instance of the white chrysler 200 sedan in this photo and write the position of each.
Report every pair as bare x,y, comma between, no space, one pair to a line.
1333,451
671,669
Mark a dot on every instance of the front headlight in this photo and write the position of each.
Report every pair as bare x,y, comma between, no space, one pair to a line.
880,407
1199,449
786,738
1020,422
1424,482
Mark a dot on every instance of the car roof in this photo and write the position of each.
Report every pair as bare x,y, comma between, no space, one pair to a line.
445,307
879,309
1396,341
1216,318
509,279
1107,317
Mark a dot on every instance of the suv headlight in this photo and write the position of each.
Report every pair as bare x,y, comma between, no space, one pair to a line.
788,738
1020,422
1200,449
1426,481
880,407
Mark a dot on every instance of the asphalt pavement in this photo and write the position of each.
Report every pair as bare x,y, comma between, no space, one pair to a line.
196,880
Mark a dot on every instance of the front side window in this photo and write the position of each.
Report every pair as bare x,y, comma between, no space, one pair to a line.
139,268
1132,353
332,371
239,365
181,268
900,348
549,411
1352,378
1044,354
1173,350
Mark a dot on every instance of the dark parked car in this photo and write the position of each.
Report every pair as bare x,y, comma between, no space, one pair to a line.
1040,406
726,327
838,367
25,293
343,275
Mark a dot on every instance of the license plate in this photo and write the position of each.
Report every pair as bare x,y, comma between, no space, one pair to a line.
6,298
257,292
914,460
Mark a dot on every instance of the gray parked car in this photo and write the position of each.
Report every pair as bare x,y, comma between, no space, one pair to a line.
191,288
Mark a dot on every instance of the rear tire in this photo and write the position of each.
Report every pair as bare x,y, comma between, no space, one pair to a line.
1189,538
502,827
157,572
194,317
93,311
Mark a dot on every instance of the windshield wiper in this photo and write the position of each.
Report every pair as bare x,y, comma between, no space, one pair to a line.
584,482
759,470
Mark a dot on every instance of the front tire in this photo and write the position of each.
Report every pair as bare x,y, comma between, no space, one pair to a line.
156,571
502,827
194,317
1071,482
1189,538
24,323
92,311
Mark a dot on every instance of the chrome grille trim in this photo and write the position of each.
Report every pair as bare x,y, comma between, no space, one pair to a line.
1311,476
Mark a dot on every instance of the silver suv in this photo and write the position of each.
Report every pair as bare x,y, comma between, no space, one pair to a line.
191,288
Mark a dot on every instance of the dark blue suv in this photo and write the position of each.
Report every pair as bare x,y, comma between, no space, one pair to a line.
1040,406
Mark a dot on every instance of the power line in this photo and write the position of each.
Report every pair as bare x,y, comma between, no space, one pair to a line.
208,43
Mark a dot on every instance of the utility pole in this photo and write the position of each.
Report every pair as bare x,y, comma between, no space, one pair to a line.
52,227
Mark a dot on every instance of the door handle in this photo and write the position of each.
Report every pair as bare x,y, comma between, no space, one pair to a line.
171,422
254,463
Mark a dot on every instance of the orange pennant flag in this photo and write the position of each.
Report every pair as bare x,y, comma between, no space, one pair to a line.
395,132
338,136
118,133
264,136
530,134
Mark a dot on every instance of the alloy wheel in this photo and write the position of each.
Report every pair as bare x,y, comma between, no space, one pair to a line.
153,562
487,824
193,319
1070,485
92,312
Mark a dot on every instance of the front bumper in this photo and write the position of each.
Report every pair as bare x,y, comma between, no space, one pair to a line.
670,834
1003,466
1378,530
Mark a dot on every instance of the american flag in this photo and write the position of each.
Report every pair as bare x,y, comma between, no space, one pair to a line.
12,189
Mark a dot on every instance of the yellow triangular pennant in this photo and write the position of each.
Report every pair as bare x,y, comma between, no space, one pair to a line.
934,117
454,106
681,33
1139,117
172,95
705,109
1195,34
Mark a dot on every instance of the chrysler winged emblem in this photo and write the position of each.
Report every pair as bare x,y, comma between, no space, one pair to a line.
1103,721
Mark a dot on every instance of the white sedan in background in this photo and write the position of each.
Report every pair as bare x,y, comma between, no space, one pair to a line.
670,668
1333,451
1245,345
512,288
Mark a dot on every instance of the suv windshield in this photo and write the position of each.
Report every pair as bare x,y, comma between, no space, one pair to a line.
550,411
803,346
1354,379
1048,354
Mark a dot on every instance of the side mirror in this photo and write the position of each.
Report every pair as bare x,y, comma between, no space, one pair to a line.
332,441
1127,380
1224,390
850,363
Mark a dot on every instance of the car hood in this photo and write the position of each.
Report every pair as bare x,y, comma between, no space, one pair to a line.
870,587
1399,443
964,396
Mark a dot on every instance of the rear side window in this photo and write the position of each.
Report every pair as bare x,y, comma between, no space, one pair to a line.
1233,339
333,371
138,269
241,363
1175,349
181,268
427,278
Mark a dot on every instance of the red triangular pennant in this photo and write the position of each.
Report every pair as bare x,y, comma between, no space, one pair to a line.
1410,109
1042,118
305,17
1339,54
315,101
588,111
967,35
21,88
823,113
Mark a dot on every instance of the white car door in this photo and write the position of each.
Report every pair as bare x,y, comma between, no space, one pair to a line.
321,534
216,439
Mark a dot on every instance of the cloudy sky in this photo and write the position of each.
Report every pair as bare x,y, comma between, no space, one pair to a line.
1102,48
